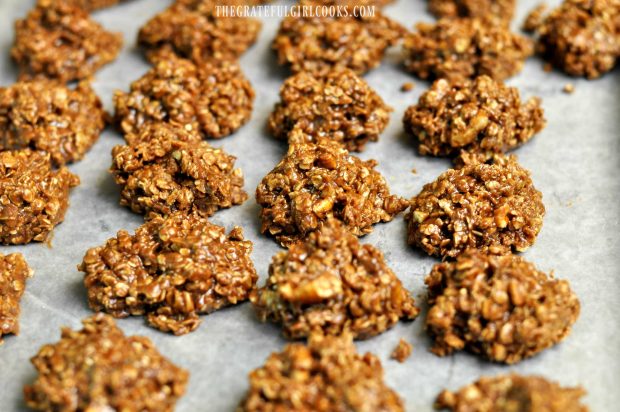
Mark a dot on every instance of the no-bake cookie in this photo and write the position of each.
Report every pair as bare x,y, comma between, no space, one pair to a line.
100,369
507,393
33,196
59,40
580,37
330,283
314,182
499,9
48,116
171,270
482,116
338,105
199,31
326,375
500,307
465,48
166,173
14,271
316,42
213,99
489,206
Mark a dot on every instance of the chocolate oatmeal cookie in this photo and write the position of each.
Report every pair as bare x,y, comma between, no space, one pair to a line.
480,116
314,182
165,173
580,37
317,42
499,9
214,99
513,392
326,375
48,116
171,270
493,207
33,196
13,274
465,48
100,369
194,29
500,307
338,105
59,40
330,283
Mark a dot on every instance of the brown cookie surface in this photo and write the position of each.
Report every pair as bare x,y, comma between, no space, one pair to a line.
489,206
332,284
315,182
326,375
338,106
14,271
171,270
33,196
99,368
48,116
59,40
169,169
500,307
500,9
213,99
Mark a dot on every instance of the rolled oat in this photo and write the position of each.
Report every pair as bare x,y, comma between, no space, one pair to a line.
402,351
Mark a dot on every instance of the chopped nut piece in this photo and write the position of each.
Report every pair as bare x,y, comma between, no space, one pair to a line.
13,274
493,207
212,99
402,351
465,48
100,369
33,196
331,284
407,87
169,172
171,270
337,106
324,174
568,88
501,9
580,37
500,307
48,116
59,40
316,43
194,30
513,393
482,116
326,375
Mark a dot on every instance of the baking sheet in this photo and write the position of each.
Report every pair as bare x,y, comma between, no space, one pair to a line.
574,161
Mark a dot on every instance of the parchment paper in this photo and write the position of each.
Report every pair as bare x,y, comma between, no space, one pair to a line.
574,162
